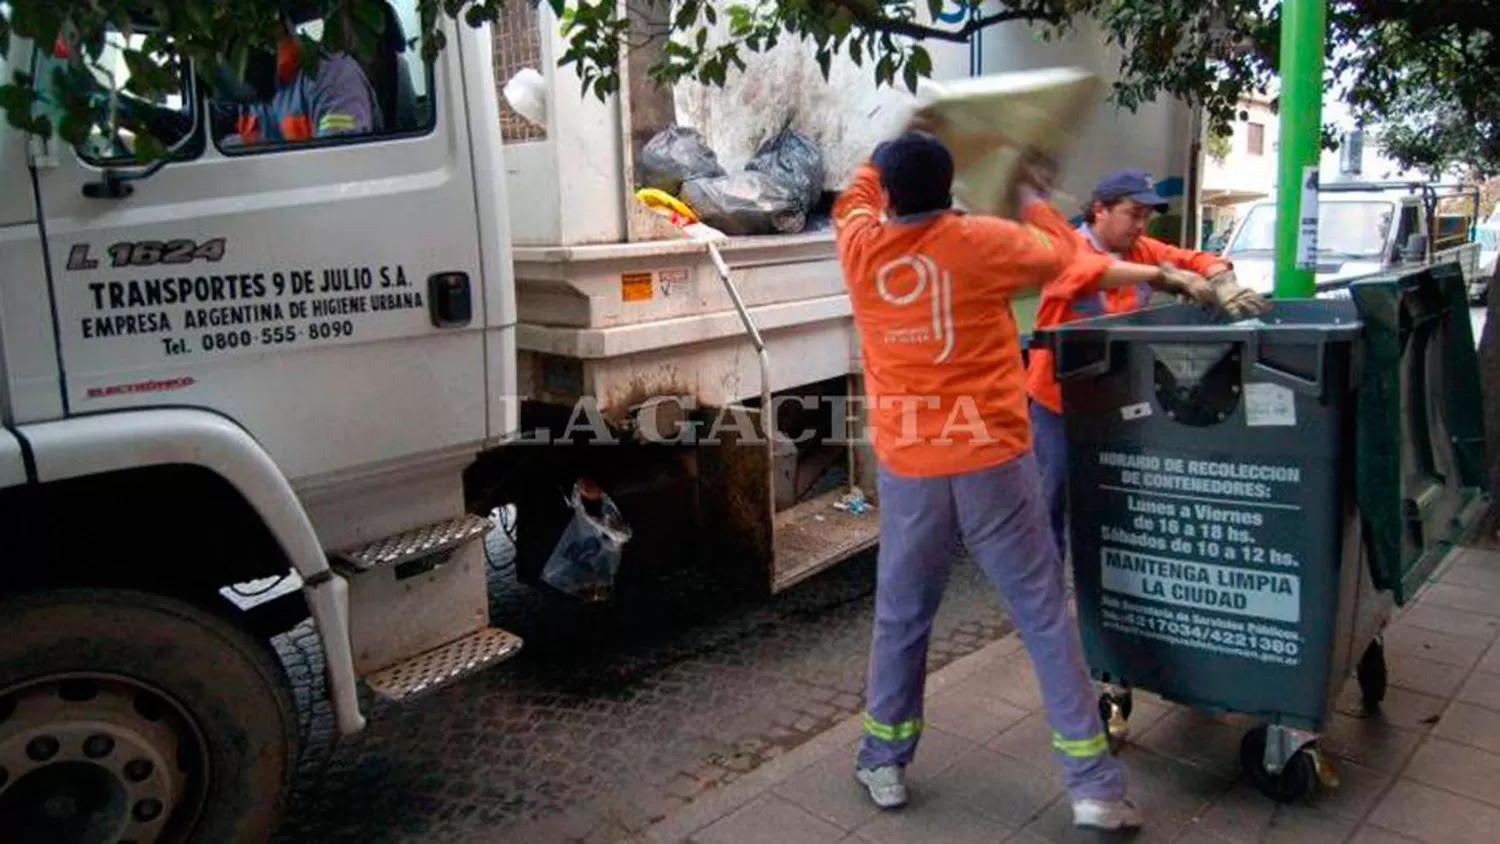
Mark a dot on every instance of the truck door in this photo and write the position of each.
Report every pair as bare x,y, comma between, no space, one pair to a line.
311,270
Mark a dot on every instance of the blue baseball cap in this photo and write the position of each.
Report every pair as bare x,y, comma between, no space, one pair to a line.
1135,185
917,170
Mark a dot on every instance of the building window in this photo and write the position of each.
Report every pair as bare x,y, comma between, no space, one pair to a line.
1256,139
1353,153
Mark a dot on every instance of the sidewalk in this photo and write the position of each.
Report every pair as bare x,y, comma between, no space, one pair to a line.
1426,769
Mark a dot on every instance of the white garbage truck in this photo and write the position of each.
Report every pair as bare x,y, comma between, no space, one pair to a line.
249,385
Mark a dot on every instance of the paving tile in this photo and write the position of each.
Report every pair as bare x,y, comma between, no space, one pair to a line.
1198,738
1464,598
1454,622
1406,640
1401,708
1436,817
1375,835
1193,834
967,713
1013,681
938,751
1000,787
1474,575
1170,794
770,820
1055,825
1457,768
1471,725
1424,675
828,791
1030,740
1303,825
1368,742
943,819
1491,661
1483,689
1359,789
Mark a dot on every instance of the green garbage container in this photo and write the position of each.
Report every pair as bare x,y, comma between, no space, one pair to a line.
1224,548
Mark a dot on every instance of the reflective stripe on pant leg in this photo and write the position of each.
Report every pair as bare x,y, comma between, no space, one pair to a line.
1005,526
917,532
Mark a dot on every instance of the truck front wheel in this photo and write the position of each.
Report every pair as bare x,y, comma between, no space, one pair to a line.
127,717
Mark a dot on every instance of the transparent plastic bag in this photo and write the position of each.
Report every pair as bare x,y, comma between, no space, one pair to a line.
746,204
587,556
675,155
793,158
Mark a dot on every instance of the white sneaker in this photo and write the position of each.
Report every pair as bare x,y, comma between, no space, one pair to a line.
887,785
1107,815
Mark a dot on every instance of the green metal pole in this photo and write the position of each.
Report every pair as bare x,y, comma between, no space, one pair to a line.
1304,29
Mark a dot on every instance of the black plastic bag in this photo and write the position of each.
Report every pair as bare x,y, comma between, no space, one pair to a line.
674,156
793,158
747,204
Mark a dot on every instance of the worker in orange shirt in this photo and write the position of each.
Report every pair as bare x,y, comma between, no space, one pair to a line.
945,385
1114,225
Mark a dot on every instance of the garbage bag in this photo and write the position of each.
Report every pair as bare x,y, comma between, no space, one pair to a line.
587,556
747,204
988,123
675,155
794,159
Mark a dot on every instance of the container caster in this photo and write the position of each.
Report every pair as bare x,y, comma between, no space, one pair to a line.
1285,765
1371,675
1115,706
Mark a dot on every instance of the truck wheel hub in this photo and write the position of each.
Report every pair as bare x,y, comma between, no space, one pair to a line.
97,760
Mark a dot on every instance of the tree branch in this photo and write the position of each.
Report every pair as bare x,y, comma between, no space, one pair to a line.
921,32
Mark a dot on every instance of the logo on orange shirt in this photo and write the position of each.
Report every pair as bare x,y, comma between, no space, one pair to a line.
917,280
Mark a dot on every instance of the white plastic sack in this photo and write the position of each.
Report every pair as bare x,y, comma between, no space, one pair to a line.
988,122
587,556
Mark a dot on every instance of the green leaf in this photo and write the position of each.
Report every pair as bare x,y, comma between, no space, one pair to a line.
922,60
825,62
909,76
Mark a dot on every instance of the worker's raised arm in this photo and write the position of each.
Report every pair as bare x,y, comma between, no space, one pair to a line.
1029,254
856,214
1205,264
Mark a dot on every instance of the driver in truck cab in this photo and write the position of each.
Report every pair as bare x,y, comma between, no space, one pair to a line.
1114,225
931,289
336,100
278,102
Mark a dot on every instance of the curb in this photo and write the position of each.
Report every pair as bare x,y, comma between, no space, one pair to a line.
706,810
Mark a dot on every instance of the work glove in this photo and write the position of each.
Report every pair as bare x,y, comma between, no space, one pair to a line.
1188,284
1236,301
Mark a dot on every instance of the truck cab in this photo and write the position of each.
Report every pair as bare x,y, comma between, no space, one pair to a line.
1363,229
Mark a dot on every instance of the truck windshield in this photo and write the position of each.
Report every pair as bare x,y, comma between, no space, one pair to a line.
1346,230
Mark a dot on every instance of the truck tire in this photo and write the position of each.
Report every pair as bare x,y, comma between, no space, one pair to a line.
132,717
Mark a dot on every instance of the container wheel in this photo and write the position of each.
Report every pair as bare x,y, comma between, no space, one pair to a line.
1114,711
1296,781
1372,677
133,717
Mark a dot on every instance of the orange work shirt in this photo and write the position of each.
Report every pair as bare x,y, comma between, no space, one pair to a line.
931,297
1074,294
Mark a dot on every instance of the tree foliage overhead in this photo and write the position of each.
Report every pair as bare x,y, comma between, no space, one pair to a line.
1420,68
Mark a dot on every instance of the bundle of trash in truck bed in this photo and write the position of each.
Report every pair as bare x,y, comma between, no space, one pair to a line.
680,176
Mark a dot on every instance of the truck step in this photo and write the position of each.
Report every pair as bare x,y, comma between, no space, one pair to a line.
815,535
445,664
426,541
